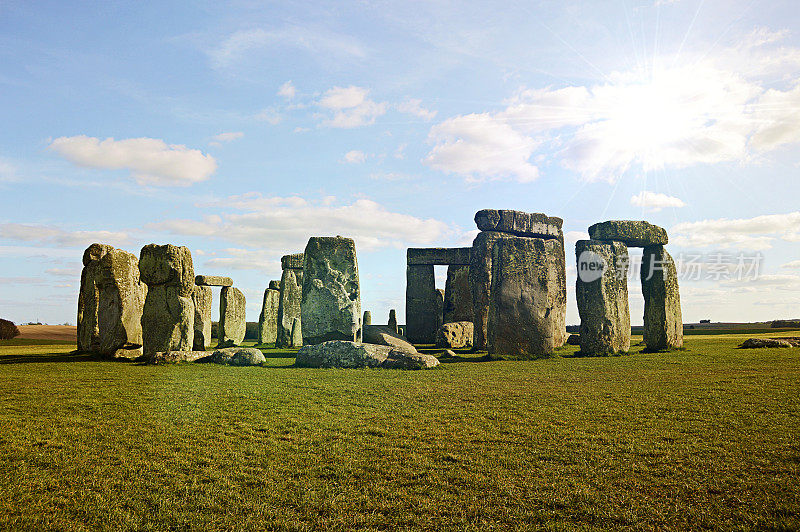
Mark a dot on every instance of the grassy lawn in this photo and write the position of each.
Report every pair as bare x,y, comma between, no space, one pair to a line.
708,437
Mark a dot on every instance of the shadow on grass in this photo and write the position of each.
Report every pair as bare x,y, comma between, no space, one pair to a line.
47,357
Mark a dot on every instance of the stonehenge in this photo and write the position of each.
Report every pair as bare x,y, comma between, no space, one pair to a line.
110,303
268,319
232,321
602,289
499,225
168,313
203,299
331,295
457,295
291,290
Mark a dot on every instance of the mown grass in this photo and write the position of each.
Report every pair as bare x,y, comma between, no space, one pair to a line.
701,438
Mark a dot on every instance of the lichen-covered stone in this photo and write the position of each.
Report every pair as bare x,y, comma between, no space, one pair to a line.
110,303
175,357
421,312
291,295
232,319
457,296
480,282
455,335
167,265
167,320
275,285
759,343
212,280
663,323
345,354
630,232
392,320
297,333
384,335
527,297
238,356
603,302
203,304
268,319
331,303
438,256
530,224
294,261
367,320
439,306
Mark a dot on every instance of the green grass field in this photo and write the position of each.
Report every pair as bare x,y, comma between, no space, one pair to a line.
708,437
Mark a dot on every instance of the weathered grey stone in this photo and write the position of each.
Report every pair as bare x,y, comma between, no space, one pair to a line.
167,265
629,232
275,285
168,314
345,354
393,320
560,333
203,301
531,224
457,296
421,312
212,280
331,304
294,261
232,320
663,323
439,302
526,297
367,320
438,256
297,333
384,335
110,303
268,319
480,282
289,304
603,302
238,356
758,343
174,357
455,334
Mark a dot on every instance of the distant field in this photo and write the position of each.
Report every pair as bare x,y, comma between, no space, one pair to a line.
708,437
48,332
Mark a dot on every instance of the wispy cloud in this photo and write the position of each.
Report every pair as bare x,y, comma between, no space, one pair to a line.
53,235
747,233
654,202
224,138
351,107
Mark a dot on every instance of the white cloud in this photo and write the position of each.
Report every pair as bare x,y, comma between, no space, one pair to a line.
414,107
570,237
481,147
48,234
246,259
282,225
654,201
354,157
794,265
704,108
287,90
8,172
151,161
351,107
315,41
218,140
748,233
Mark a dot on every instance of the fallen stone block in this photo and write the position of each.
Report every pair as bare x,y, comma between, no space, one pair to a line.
346,354
455,335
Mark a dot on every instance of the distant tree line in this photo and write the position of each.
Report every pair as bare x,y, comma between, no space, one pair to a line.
8,330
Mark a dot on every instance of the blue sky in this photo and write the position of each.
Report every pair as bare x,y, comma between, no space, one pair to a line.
242,128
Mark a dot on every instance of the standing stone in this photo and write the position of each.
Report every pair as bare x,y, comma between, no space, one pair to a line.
268,319
560,334
603,298
291,291
232,321
367,321
663,323
331,303
110,303
457,295
525,297
480,282
297,333
203,300
421,312
439,301
393,320
168,316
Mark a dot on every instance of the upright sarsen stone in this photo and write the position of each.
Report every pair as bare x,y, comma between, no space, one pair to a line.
331,300
480,282
526,297
602,293
202,297
291,294
232,320
110,303
663,323
168,316
457,295
421,312
268,319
